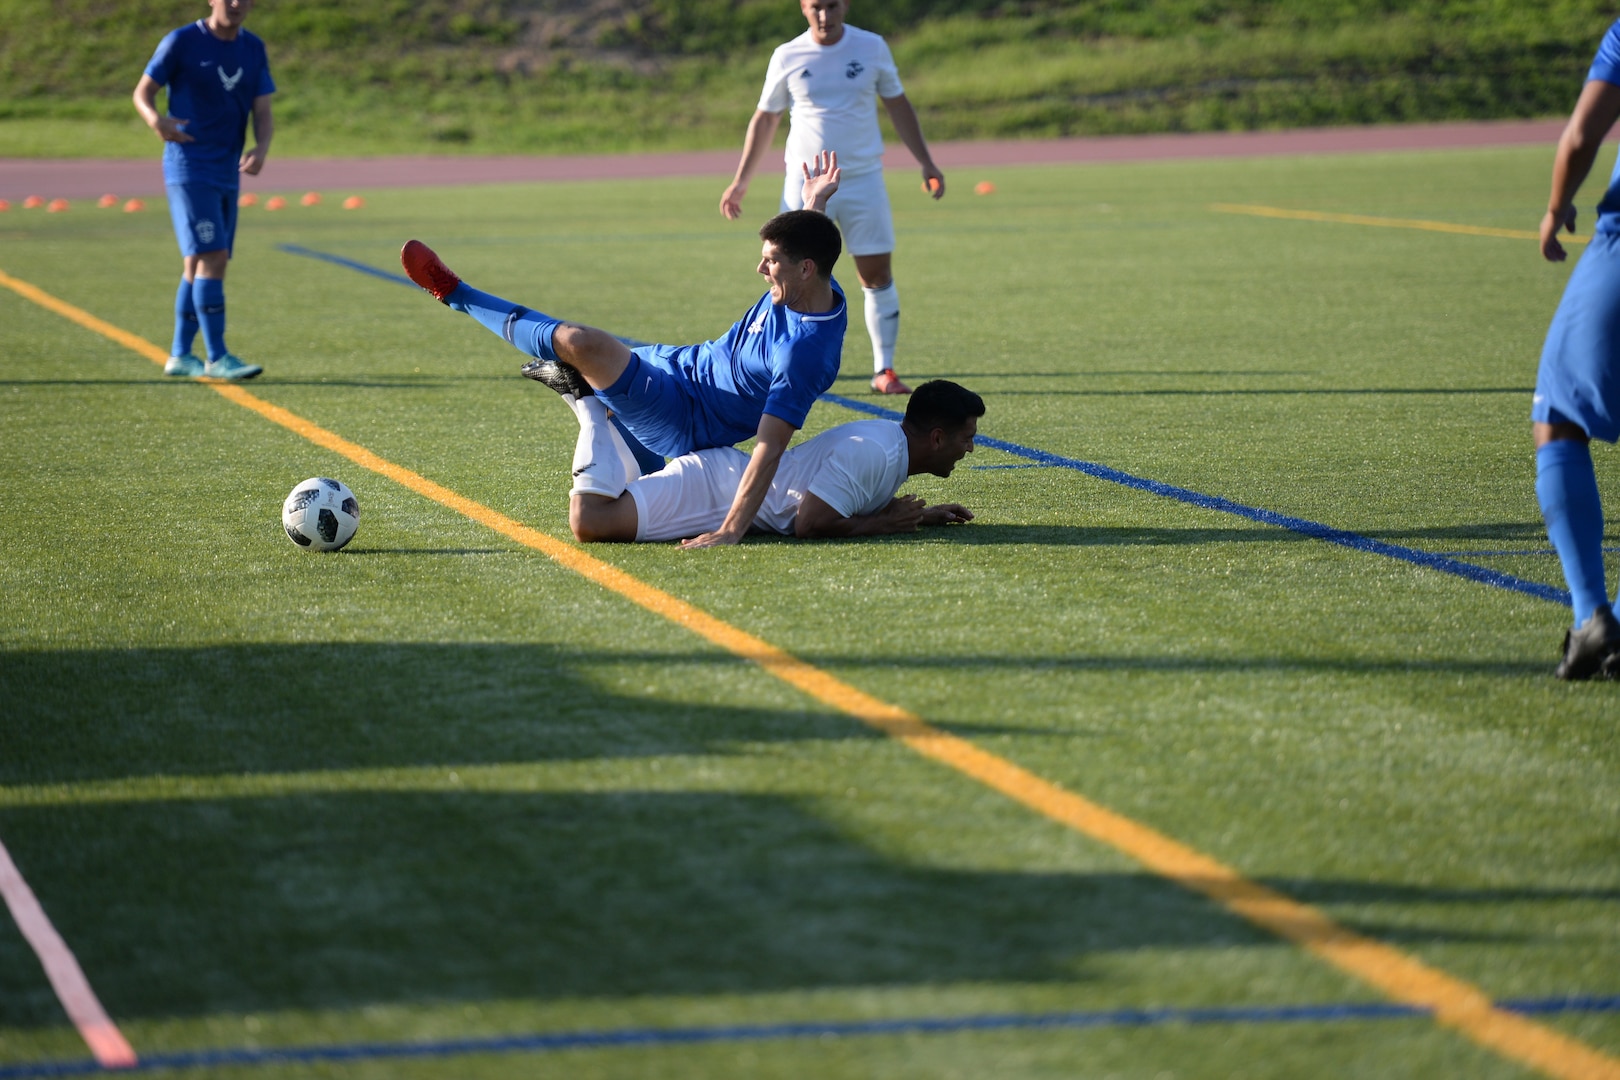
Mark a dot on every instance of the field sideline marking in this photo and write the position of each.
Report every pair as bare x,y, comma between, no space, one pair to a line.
1385,223
106,1042
643,1037
1484,575
1454,1003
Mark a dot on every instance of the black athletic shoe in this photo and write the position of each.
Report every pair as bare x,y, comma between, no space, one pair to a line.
561,377
1592,648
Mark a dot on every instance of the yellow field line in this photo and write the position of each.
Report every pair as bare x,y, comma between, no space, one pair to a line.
1384,223
1454,1003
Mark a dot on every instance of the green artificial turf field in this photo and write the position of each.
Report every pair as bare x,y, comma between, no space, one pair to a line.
438,787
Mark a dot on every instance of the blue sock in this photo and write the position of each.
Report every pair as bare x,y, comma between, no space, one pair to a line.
185,320
527,331
1567,489
208,295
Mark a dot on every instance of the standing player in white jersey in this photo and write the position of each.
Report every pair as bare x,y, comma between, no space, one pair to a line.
842,483
832,77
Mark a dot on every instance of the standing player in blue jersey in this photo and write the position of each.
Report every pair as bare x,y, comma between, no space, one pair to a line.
757,381
1577,396
218,78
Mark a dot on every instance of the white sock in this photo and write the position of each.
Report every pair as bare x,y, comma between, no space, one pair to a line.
882,323
600,453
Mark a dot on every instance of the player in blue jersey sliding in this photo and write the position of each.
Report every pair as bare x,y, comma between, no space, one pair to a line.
218,78
757,381
1577,395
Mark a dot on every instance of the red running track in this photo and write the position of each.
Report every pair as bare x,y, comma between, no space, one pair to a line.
90,178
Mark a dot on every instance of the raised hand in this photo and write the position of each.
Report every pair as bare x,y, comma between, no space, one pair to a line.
821,181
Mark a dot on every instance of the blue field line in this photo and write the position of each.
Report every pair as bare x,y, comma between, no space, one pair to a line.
623,1038
1313,529
310,253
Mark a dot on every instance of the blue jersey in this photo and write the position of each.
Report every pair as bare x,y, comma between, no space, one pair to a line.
213,84
773,360
1606,68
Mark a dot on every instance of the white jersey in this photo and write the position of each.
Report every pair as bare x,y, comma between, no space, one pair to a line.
832,91
854,468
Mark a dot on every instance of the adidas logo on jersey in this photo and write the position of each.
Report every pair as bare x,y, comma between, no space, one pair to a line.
759,325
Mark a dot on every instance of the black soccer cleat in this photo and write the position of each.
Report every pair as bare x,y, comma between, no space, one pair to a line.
561,377
1593,648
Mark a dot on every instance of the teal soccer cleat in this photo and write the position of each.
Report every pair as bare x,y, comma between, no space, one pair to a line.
185,366
230,367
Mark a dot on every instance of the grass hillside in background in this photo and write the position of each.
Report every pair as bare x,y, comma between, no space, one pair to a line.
541,76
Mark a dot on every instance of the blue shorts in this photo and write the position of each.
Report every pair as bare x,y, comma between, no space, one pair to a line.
1579,379
204,217
656,401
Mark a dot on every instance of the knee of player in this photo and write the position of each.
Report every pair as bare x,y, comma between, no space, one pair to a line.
595,519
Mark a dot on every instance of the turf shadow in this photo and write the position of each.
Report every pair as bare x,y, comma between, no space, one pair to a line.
108,713
321,901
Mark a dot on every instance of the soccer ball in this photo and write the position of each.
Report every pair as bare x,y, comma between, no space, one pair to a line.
321,514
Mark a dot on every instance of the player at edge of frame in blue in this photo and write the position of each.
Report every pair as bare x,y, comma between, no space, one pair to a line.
1577,396
218,79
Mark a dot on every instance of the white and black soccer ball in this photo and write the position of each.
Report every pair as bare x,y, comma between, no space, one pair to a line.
321,514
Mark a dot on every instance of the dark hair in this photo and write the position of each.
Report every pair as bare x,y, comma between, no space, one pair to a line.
805,234
941,403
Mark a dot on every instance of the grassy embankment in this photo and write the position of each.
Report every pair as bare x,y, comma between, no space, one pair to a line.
493,76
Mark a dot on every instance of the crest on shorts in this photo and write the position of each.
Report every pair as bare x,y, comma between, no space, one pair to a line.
853,70
205,232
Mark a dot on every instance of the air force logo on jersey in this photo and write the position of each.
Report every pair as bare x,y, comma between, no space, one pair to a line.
230,81
853,70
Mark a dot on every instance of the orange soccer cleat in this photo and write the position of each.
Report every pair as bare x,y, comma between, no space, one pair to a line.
428,270
887,382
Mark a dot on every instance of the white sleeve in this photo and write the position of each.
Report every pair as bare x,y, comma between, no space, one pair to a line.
850,476
888,78
775,97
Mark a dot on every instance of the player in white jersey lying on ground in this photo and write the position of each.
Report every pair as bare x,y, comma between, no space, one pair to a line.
842,483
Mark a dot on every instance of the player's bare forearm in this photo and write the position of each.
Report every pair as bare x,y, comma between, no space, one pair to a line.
264,128
761,130
167,128
1595,113
906,125
818,521
772,440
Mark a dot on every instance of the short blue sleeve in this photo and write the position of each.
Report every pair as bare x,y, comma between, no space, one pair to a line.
161,66
1606,65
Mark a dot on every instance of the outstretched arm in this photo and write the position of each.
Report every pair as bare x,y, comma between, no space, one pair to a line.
905,513
774,435
761,130
904,118
1594,115
821,178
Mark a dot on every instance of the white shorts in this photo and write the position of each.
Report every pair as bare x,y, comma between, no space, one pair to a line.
860,209
688,497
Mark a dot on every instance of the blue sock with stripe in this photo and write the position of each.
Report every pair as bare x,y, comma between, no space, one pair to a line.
208,297
1566,487
185,320
527,331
